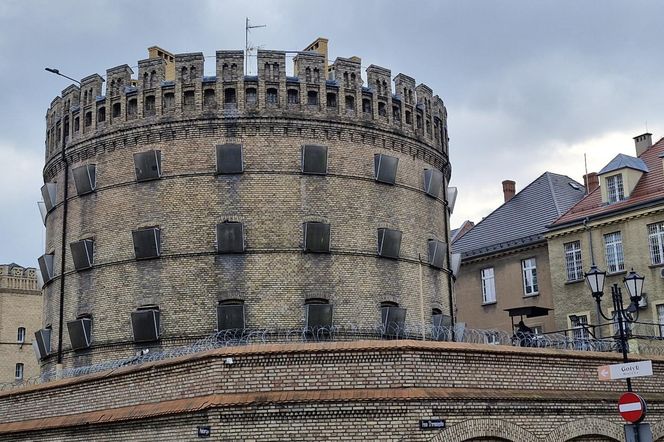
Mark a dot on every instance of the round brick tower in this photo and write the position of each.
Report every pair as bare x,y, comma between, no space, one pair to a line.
187,204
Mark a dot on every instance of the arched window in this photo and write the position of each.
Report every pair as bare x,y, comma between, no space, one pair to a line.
19,372
230,99
312,98
250,96
275,71
184,74
153,79
317,316
382,109
88,119
331,99
101,114
366,105
393,319
209,99
20,335
346,84
112,88
146,81
225,72
350,103
396,113
169,101
409,117
352,80
316,75
149,105
192,73
267,68
234,71
77,124
272,96
307,74
293,96
117,110
132,106
188,100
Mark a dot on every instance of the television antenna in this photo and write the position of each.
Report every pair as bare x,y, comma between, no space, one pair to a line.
248,48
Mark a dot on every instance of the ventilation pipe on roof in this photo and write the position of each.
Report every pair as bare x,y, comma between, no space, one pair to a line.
509,187
642,143
591,181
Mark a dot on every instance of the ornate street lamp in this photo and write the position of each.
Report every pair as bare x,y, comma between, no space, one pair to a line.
595,280
634,286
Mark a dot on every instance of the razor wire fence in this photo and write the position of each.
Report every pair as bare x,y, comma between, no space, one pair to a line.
566,340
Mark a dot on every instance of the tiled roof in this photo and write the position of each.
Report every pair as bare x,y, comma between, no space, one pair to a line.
621,161
523,219
649,189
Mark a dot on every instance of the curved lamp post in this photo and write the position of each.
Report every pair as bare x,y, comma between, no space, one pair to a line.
634,286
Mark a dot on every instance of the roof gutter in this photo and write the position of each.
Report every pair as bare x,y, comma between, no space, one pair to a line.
603,215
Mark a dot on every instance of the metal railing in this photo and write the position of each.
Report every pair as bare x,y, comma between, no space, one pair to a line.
571,339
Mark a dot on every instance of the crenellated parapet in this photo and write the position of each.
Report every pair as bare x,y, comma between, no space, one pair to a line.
337,94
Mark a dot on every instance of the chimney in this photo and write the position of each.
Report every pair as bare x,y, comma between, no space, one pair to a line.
591,181
642,143
508,189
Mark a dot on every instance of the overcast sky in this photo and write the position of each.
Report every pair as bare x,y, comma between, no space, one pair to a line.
529,86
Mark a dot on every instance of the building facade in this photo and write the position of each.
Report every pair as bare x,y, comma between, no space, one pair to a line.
236,202
20,318
504,257
618,226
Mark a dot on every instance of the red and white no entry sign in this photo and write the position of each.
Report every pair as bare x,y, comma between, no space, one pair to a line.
632,407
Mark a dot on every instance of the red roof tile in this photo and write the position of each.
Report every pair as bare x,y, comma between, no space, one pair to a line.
650,188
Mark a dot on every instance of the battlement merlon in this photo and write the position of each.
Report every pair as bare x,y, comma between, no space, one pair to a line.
425,90
230,65
310,66
189,67
266,61
91,79
151,72
71,89
121,70
379,70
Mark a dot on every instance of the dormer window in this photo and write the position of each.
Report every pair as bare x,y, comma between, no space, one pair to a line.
614,188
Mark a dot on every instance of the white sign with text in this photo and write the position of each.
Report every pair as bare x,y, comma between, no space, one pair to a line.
624,371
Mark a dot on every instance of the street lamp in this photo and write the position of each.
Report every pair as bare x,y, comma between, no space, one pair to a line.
634,285
57,72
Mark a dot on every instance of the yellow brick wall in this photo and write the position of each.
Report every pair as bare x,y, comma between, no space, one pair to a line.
573,297
19,307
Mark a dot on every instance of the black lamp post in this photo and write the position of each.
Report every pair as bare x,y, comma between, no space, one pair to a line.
634,285
57,72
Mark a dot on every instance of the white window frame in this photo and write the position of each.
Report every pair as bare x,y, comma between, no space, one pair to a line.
659,311
20,335
613,252
19,371
529,276
656,242
488,285
615,190
573,261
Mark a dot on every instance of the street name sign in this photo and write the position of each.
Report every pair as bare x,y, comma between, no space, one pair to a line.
632,407
624,371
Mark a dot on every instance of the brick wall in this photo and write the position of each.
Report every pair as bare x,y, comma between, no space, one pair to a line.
20,306
349,390
574,297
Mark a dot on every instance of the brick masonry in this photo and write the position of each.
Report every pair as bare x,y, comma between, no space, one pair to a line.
365,390
272,197
20,306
